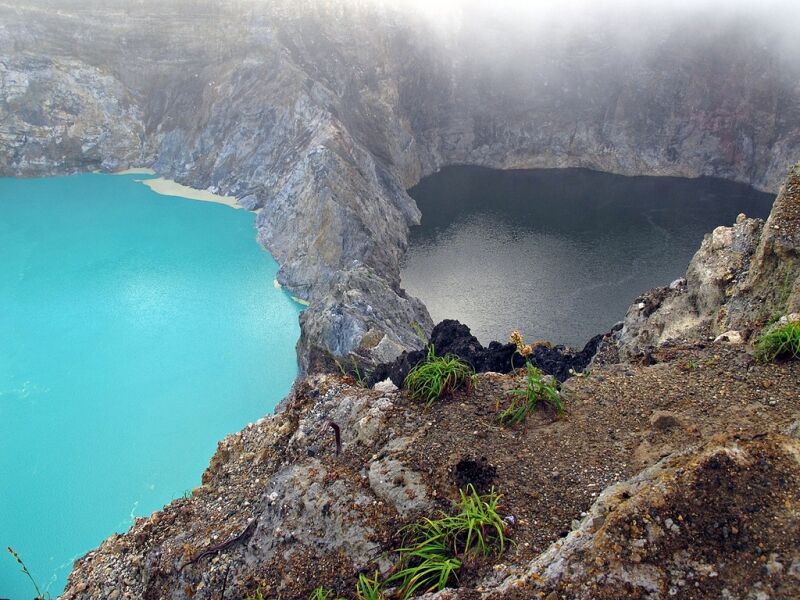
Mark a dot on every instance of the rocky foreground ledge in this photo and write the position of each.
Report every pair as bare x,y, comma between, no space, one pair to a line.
678,478
674,472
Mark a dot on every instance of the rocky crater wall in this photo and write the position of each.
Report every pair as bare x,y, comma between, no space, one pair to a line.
320,116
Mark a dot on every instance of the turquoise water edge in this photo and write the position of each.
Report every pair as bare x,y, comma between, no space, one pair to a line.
136,330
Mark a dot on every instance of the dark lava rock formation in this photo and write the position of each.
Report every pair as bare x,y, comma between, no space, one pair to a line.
452,337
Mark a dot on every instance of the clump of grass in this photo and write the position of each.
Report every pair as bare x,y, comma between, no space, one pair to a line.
436,376
433,549
257,595
369,589
361,377
779,342
39,594
537,389
524,401
423,337
429,569
322,593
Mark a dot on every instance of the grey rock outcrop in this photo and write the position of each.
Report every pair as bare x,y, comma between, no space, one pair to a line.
283,484
57,115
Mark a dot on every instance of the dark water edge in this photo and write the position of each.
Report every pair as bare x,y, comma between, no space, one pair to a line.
559,254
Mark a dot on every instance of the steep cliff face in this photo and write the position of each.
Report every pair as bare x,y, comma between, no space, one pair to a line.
61,114
320,115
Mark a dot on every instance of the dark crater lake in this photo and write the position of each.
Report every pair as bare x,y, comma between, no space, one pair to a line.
559,254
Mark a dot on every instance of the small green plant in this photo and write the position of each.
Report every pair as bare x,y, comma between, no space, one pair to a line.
691,365
524,401
779,342
423,337
436,376
257,595
355,372
429,568
432,549
369,589
322,593
39,594
360,377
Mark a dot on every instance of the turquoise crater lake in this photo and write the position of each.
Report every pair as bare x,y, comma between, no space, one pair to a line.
136,330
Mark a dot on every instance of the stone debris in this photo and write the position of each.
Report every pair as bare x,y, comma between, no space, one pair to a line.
685,526
386,386
730,337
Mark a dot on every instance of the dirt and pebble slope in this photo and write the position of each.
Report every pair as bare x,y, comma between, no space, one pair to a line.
319,518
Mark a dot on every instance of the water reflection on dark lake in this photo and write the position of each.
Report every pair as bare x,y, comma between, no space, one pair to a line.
558,253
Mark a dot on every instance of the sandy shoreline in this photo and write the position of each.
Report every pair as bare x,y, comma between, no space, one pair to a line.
278,286
168,187
135,171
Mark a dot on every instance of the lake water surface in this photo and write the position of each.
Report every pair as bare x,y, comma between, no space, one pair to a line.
558,254
136,330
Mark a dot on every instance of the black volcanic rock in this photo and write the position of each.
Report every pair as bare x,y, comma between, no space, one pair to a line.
453,337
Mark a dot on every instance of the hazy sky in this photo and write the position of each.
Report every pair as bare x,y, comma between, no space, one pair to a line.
783,13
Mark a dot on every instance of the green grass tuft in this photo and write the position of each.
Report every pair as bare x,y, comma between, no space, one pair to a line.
524,401
361,377
257,595
369,589
432,549
436,376
423,337
322,593
779,342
